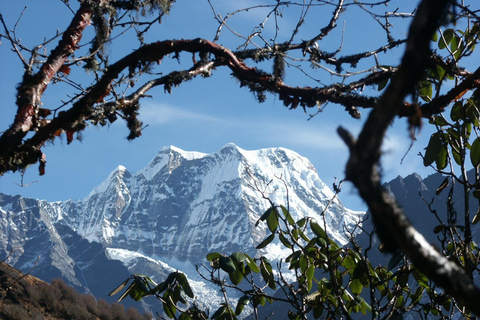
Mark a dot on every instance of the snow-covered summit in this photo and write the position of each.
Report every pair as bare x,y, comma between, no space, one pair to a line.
185,204
115,176
168,155
179,207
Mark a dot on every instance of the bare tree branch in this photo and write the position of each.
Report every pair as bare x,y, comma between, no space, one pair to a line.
394,229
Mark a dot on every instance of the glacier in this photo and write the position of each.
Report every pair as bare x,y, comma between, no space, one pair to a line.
183,205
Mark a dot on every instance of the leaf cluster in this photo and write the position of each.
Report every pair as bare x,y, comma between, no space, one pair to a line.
331,281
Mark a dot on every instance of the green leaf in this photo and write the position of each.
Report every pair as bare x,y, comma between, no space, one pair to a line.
303,263
284,241
349,262
226,264
219,312
322,243
421,279
395,260
456,156
382,84
251,263
301,222
287,215
141,284
178,295
264,216
303,235
185,316
267,272
294,256
293,316
447,304
459,46
402,278
456,112
442,186
360,269
476,193
438,229
309,274
242,302
239,257
433,150
169,309
444,41
213,255
440,72
258,300
317,310
266,241
130,287
475,152
364,306
164,285
476,219
356,287
236,277
295,233
442,158
120,287
417,295
454,44
272,220
182,280
438,120
319,232
472,112
425,90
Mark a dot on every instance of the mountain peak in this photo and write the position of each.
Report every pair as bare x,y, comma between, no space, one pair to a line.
183,205
188,155
114,177
230,145
169,157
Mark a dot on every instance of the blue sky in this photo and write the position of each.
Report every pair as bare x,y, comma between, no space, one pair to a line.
201,115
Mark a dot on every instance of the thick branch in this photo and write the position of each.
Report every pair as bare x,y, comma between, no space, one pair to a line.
72,120
394,229
33,86
439,104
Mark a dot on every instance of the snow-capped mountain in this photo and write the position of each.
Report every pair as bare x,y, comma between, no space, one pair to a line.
173,212
184,204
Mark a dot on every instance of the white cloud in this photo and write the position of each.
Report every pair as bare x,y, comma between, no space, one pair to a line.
319,137
155,114
306,134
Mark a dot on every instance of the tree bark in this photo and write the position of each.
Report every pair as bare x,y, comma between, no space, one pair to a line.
32,88
393,228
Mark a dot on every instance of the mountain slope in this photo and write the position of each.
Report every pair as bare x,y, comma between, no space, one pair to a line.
26,297
170,214
184,204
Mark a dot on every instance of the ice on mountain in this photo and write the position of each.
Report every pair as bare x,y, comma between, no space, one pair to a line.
183,205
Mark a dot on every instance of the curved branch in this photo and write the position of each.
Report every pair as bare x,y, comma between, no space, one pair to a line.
33,86
19,155
439,104
394,229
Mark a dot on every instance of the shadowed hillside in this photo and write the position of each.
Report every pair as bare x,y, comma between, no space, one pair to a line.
24,297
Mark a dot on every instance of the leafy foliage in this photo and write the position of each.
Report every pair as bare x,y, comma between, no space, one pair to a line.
331,281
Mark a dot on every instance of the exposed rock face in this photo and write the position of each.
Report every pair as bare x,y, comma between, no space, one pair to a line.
186,204
180,207
32,242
